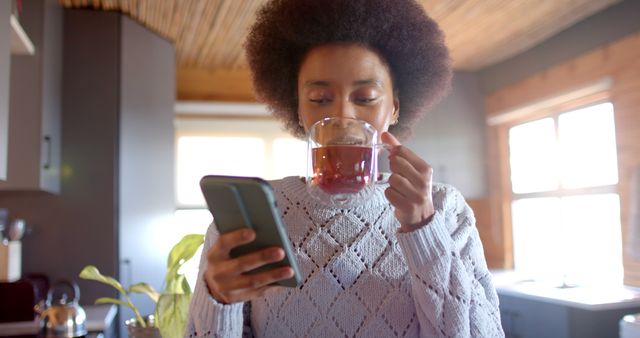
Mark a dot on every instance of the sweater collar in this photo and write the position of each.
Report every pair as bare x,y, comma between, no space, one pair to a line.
294,187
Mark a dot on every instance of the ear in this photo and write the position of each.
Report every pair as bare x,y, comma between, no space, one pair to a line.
300,121
396,108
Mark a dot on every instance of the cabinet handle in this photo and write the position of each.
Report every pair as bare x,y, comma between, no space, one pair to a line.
47,163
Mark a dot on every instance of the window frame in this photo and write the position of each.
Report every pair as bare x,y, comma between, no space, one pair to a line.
499,166
561,191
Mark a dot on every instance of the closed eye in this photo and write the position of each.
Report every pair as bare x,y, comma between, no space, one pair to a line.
321,101
365,100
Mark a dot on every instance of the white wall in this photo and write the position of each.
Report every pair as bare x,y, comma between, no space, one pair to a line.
451,138
597,30
147,96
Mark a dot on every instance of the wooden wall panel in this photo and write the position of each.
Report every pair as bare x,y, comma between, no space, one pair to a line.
222,85
492,244
619,61
612,60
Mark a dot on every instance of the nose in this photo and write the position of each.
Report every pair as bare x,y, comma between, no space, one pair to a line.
345,109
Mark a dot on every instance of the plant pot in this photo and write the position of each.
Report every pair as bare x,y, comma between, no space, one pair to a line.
137,331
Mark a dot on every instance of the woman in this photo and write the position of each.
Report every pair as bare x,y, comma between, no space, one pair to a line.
406,262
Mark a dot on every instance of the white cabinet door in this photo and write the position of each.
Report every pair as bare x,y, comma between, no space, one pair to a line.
33,157
5,59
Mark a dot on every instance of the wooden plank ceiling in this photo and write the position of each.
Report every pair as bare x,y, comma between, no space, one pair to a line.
208,34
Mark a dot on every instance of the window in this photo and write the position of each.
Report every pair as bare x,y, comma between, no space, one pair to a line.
238,147
564,206
198,156
243,147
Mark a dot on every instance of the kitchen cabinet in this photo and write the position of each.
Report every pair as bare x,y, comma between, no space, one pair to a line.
34,123
20,42
528,317
118,93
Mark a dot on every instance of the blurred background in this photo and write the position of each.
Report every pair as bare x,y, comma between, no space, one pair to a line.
112,110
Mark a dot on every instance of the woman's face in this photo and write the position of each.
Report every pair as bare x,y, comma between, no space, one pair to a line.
345,81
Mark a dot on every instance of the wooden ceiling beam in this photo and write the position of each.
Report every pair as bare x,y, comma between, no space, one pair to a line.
214,85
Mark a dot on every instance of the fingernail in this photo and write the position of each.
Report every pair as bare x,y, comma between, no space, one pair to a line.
277,254
247,234
287,273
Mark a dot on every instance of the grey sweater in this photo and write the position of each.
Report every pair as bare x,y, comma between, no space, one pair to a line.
361,278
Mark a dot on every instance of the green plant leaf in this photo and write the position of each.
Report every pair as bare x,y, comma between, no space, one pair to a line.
172,311
109,300
180,253
186,288
146,289
177,285
90,272
172,284
185,249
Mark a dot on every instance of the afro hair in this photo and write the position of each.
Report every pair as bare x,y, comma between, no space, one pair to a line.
399,31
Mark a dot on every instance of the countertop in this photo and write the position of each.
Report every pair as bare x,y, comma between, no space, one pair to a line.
595,297
99,318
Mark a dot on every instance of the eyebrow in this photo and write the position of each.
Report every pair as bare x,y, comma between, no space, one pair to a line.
319,83
322,83
368,82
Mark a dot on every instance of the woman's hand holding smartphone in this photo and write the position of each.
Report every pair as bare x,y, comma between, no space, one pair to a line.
227,277
253,251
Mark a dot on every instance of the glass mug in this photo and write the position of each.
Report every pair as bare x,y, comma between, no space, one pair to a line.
342,161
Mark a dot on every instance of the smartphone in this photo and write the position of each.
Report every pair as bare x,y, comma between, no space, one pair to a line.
249,202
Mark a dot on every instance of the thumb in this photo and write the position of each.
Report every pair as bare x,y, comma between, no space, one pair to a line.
389,139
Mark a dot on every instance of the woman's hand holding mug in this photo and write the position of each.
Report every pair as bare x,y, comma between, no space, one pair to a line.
410,185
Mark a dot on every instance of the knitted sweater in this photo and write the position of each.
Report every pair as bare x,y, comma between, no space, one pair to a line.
362,278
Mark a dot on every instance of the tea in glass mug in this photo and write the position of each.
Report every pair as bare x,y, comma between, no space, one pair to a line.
342,161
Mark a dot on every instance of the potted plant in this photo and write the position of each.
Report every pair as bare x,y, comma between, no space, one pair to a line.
172,304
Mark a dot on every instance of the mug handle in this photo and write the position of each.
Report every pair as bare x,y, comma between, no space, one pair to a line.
377,176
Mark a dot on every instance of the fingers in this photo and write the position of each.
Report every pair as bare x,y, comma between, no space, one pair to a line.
400,204
398,151
406,209
389,139
227,277
412,174
410,183
244,296
253,281
401,166
228,241
421,167
407,189
243,288
394,197
255,260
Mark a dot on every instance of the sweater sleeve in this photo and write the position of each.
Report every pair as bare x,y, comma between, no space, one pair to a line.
452,287
208,317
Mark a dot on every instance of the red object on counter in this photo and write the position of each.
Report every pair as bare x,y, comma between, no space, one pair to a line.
19,298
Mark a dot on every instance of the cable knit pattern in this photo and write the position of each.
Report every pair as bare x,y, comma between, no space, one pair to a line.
361,278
